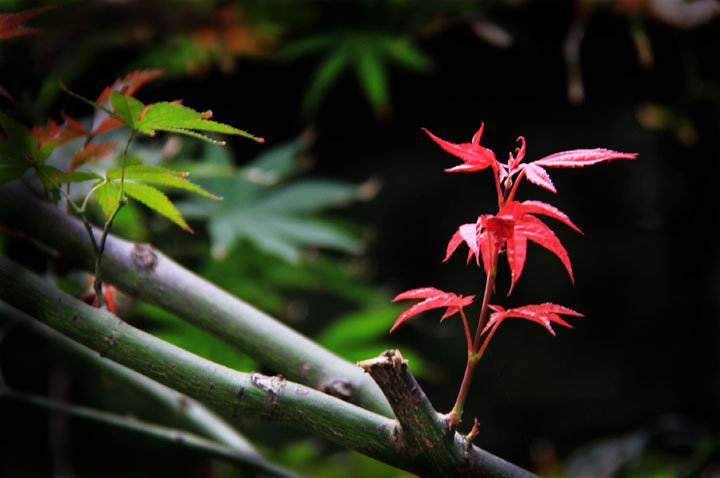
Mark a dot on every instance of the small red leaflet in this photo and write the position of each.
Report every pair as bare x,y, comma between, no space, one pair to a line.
544,314
434,299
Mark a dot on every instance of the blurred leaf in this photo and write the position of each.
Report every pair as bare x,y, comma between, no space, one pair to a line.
311,460
358,327
308,196
92,152
11,24
275,164
362,334
12,164
367,52
180,333
308,45
273,277
278,219
371,74
18,136
325,75
179,56
20,150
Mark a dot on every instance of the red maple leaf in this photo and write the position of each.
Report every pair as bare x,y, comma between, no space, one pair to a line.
576,158
544,314
45,134
71,129
510,229
474,156
91,152
11,24
434,299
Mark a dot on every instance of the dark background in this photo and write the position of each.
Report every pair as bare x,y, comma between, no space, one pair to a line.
645,358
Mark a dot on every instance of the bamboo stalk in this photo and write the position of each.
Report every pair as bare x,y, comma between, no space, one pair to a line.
191,412
231,392
172,436
146,273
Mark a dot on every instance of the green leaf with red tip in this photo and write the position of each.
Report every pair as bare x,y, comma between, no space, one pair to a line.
180,119
159,176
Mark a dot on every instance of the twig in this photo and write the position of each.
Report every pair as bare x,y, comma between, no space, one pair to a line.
425,434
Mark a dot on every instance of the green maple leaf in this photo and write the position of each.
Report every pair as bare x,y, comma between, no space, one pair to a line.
140,182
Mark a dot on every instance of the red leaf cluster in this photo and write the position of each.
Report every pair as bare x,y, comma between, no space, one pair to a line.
506,232
476,157
509,231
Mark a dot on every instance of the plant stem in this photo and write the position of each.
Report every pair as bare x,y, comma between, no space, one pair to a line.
487,339
511,196
467,330
498,188
108,226
80,211
172,436
474,355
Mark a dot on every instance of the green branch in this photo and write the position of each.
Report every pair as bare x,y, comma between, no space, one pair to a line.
146,273
233,393
173,436
191,412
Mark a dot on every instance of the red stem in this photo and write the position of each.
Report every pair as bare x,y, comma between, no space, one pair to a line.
498,188
487,339
473,356
467,330
514,188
